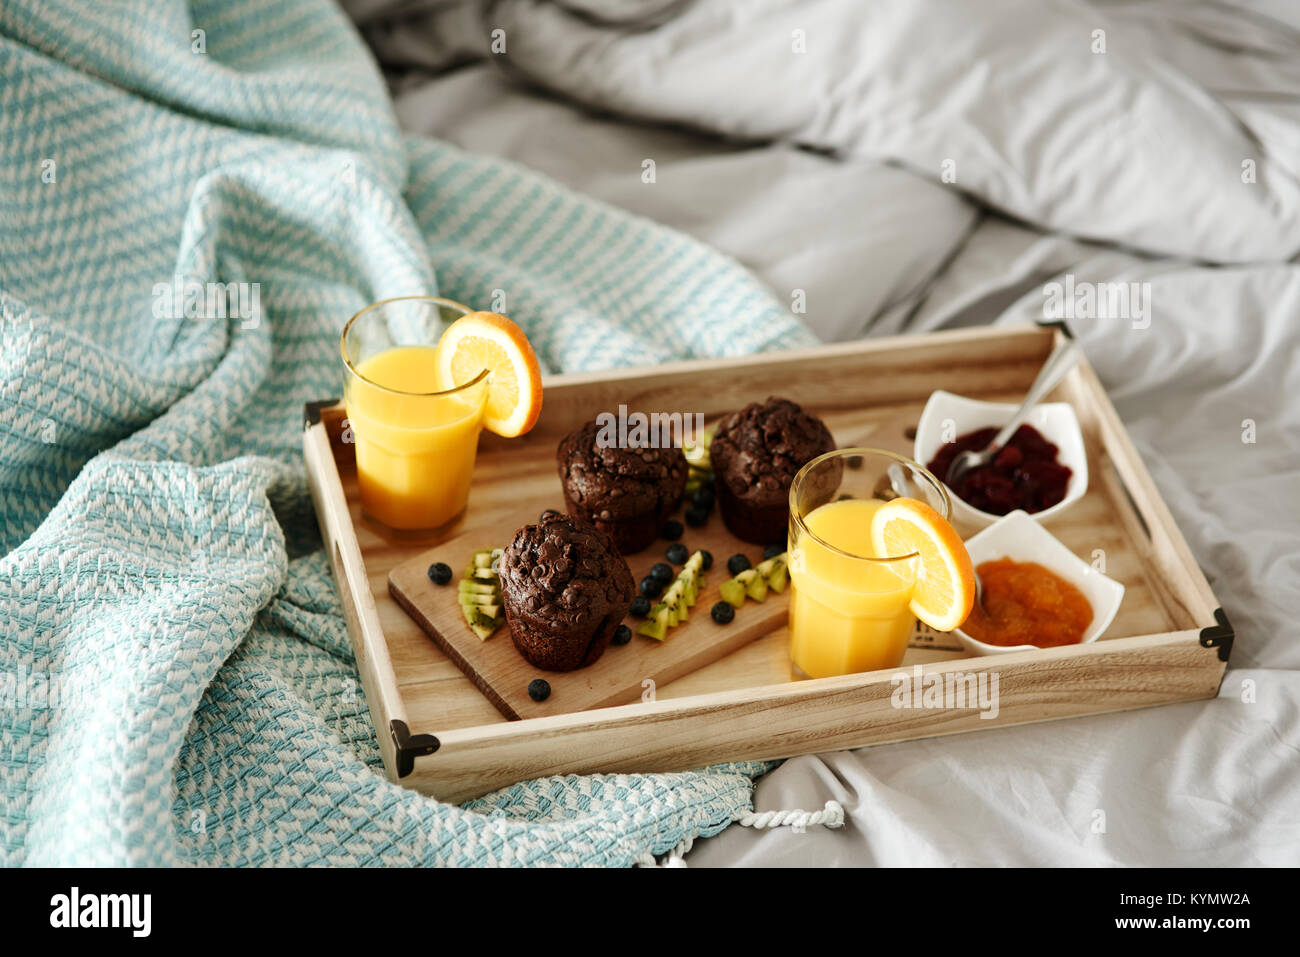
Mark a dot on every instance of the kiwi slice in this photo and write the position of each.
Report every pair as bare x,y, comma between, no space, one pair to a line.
775,572
674,618
779,578
697,453
697,456
675,599
732,592
674,607
476,615
656,624
479,592
681,585
755,584
692,578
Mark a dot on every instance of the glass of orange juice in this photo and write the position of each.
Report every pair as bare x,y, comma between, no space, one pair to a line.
849,607
415,444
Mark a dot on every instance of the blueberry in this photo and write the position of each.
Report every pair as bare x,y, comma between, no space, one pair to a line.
855,461
651,587
622,635
703,497
677,554
440,573
722,612
673,530
539,689
706,560
547,514
696,516
772,551
662,572
736,564
640,606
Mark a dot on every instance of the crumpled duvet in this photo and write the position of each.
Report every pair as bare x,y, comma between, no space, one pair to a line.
926,165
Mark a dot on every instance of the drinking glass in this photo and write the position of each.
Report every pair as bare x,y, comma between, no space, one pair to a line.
849,607
415,443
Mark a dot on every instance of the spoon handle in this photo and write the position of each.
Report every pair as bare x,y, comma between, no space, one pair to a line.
1060,362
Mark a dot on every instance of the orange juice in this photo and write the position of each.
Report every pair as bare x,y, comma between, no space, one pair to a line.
415,452
847,613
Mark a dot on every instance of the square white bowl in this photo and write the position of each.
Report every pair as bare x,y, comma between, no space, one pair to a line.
1018,537
947,416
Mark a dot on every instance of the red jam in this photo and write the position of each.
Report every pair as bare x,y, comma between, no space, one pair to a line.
1027,604
1024,474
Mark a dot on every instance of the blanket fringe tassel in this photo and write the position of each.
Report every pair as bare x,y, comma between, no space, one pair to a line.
832,815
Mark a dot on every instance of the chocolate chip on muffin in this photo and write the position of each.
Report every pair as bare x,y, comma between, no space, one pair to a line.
756,454
565,590
626,492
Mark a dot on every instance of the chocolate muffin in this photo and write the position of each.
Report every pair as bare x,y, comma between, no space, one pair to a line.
756,454
626,492
565,589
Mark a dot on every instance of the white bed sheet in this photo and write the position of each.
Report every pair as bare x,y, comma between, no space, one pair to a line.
879,245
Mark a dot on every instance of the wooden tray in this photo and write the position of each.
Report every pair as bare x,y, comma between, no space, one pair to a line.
440,735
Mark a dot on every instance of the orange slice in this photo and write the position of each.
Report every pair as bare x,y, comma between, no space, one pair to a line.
485,340
944,591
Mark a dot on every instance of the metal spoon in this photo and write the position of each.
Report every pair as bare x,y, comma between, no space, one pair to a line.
1060,362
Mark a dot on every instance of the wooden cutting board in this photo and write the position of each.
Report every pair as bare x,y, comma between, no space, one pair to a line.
623,674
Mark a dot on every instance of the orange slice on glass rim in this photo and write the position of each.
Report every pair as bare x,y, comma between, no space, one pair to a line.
944,590
485,340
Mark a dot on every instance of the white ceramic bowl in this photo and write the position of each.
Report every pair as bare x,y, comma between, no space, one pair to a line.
1018,537
947,416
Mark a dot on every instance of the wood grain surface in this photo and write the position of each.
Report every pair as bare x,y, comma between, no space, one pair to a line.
623,674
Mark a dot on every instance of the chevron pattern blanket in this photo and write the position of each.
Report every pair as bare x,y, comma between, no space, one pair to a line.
175,676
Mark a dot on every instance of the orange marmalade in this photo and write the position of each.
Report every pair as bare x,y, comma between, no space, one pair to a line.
1026,604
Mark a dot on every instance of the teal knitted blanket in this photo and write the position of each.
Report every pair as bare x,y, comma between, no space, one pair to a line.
176,685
